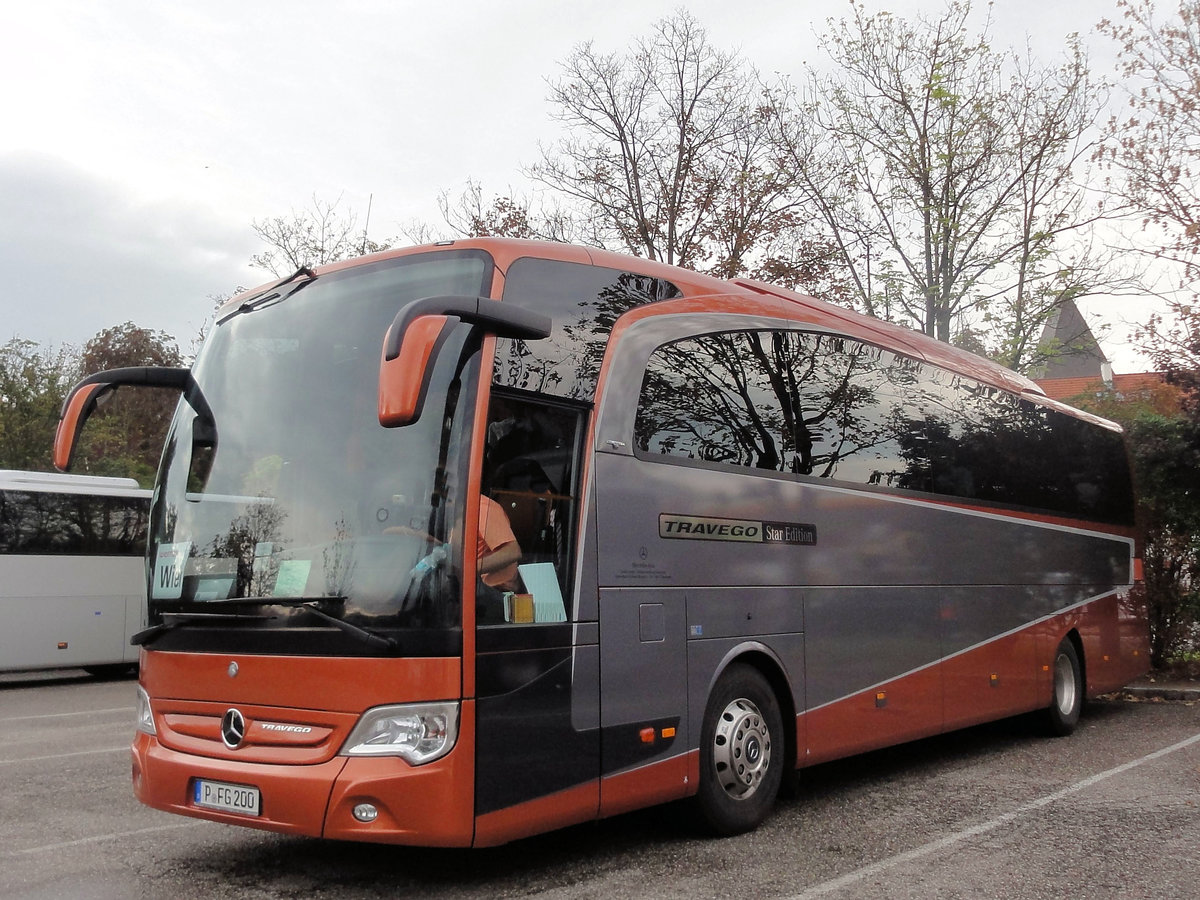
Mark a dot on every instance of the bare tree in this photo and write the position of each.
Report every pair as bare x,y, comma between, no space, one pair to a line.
667,155
1054,255
507,215
948,174
320,233
1155,149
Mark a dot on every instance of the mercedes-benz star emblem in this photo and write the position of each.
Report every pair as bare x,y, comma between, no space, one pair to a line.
233,728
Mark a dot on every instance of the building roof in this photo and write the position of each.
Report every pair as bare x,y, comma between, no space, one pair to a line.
1068,388
1075,351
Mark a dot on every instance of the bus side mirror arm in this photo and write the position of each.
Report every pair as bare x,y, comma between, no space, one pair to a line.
81,402
417,334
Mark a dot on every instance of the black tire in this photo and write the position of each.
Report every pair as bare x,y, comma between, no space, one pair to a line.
1062,715
111,670
742,752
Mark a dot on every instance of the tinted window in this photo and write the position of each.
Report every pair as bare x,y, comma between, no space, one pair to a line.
786,401
583,303
826,406
32,522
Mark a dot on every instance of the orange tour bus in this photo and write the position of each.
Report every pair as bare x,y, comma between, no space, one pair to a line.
461,543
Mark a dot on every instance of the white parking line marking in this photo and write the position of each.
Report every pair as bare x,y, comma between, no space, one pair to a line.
111,836
25,759
88,712
949,840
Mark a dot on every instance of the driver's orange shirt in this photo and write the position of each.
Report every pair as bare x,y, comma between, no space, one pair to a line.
494,532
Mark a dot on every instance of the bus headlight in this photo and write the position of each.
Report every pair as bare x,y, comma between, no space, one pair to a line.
416,732
145,715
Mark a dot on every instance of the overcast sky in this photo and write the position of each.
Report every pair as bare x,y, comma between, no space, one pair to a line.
139,139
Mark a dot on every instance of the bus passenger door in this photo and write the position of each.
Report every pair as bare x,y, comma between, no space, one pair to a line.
537,669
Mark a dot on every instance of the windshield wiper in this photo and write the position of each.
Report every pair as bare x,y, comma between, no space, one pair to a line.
271,293
147,635
372,639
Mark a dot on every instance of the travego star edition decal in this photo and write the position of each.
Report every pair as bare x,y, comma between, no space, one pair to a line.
704,528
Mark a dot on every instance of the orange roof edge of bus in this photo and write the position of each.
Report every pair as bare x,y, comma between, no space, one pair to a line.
927,348
505,251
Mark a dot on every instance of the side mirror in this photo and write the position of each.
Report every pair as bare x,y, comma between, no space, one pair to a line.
85,396
417,334
404,379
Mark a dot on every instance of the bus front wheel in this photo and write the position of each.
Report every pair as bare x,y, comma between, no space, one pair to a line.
1061,717
742,752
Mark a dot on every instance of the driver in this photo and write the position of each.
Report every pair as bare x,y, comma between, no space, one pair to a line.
497,554
496,547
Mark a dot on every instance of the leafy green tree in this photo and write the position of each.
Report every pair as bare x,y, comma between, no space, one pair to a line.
1166,454
1164,446
125,436
34,381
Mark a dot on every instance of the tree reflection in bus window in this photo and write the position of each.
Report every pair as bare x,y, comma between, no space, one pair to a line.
827,406
784,401
584,302
46,522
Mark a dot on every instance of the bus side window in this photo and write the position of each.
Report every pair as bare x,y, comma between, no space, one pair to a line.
529,471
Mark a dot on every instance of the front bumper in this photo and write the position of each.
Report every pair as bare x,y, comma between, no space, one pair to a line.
429,805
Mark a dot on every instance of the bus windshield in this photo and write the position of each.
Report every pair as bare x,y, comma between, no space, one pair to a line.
280,490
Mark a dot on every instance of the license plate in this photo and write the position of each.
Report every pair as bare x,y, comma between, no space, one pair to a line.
235,798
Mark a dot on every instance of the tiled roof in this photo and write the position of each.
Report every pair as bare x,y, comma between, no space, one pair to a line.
1066,388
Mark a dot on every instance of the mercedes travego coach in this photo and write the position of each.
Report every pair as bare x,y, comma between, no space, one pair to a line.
460,543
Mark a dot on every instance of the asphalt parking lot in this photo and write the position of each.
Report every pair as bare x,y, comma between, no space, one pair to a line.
994,811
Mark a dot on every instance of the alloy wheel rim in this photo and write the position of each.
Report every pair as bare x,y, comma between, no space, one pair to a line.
1064,684
741,748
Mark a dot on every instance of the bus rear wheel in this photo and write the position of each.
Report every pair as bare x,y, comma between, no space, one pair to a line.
1061,717
742,752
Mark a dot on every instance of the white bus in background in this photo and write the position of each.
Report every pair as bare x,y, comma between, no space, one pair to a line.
72,571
